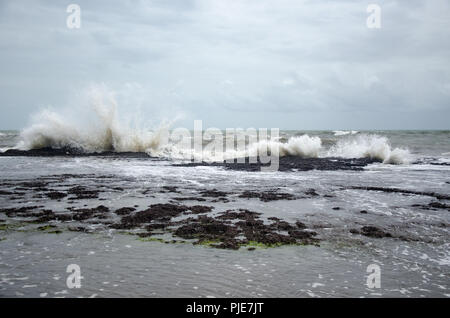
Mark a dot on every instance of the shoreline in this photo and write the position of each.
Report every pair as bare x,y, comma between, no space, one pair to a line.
285,163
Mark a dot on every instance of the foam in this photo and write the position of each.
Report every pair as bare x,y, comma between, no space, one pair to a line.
100,129
97,126
344,132
369,146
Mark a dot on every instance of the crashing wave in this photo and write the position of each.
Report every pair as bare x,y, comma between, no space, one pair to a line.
102,129
301,146
369,146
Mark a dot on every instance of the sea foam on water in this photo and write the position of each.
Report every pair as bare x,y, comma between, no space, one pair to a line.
369,146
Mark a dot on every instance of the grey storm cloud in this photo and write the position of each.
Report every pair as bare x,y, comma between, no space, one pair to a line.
293,64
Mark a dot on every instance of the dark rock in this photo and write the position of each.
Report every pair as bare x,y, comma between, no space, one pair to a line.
302,235
22,211
438,205
84,214
241,214
70,152
161,212
189,199
290,163
311,192
124,211
396,190
214,193
197,209
81,192
207,228
56,195
267,195
172,189
282,226
371,231
155,226
300,225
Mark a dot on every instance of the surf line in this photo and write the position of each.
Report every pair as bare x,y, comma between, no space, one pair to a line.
268,153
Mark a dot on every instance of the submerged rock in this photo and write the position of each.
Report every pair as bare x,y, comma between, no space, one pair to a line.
290,163
404,191
267,195
56,195
125,211
70,152
371,231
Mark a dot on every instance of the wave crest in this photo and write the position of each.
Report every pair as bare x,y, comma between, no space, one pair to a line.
303,146
344,132
99,131
369,146
99,127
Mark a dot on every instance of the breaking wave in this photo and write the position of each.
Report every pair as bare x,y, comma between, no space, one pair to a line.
369,146
303,146
99,127
361,146
99,130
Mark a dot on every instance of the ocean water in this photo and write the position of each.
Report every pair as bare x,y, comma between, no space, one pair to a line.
415,262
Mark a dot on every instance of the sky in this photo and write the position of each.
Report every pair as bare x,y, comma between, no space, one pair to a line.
288,64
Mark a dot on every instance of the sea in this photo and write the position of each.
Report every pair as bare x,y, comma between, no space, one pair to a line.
381,230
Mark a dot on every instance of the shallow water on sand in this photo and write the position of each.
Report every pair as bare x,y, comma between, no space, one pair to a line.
415,262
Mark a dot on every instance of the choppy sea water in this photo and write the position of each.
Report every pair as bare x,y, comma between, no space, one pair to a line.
33,263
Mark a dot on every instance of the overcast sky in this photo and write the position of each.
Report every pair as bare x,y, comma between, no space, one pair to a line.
290,64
